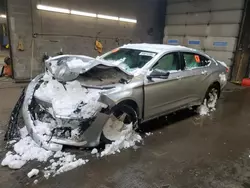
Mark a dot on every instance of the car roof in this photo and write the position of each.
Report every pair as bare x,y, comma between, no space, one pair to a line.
158,47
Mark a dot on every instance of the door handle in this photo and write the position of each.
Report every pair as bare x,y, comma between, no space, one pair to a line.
204,72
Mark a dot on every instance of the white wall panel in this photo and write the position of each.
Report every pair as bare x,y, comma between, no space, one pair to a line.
179,40
230,17
175,30
196,30
223,30
209,25
215,30
194,42
201,5
220,43
198,18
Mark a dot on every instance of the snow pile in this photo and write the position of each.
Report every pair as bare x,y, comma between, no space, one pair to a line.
33,172
67,98
208,106
25,150
128,139
63,163
203,109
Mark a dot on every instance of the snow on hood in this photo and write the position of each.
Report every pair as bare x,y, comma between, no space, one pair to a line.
65,99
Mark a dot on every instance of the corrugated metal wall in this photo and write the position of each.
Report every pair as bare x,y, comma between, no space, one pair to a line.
209,25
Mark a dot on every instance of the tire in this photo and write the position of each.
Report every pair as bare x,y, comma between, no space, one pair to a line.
212,95
110,134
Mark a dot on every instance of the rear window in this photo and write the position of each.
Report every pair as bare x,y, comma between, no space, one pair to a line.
195,60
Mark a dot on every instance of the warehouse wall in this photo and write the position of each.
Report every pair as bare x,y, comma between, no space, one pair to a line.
209,25
41,31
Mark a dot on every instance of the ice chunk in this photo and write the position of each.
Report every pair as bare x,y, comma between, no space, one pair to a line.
203,110
71,99
149,133
12,142
94,151
70,165
23,132
65,162
25,150
223,77
13,161
33,172
128,139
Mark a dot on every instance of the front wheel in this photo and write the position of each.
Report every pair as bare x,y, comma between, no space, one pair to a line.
122,119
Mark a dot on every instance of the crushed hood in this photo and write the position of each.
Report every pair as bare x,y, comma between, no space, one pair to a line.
69,67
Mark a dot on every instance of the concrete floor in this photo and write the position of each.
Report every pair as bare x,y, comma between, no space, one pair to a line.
184,151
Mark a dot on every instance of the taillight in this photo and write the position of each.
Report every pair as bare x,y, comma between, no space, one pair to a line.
227,70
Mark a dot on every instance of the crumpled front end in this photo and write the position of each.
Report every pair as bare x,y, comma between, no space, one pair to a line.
57,114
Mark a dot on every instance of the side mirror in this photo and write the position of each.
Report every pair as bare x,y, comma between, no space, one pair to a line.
158,74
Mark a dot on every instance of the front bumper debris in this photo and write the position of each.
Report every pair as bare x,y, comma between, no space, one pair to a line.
90,134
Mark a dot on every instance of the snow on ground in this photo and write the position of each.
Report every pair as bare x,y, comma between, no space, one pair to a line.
33,172
208,106
59,162
128,139
23,151
62,162
149,133
203,109
94,151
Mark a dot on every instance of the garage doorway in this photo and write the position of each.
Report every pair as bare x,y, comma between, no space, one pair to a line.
241,68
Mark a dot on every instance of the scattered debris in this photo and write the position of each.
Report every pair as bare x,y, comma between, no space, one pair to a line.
149,133
62,162
33,172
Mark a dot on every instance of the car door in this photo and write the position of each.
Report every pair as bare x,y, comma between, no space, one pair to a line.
194,76
163,95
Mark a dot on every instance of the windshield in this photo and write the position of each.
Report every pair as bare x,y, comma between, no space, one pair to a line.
130,59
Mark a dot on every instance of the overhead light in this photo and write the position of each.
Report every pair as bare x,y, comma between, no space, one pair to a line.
83,13
127,20
53,9
107,17
75,12
2,16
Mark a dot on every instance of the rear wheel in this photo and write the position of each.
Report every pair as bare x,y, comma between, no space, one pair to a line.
122,118
212,95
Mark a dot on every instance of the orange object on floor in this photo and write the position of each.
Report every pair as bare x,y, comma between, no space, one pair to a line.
7,70
245,82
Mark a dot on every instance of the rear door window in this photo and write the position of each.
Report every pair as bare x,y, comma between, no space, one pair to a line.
193,60
169,62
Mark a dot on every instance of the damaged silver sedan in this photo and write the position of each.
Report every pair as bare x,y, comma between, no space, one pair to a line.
82,101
